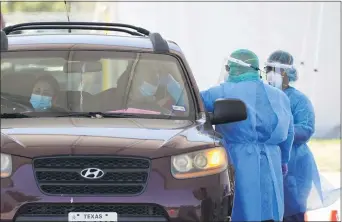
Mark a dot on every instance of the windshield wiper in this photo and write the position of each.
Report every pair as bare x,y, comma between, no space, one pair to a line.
14,115
97,115
93,115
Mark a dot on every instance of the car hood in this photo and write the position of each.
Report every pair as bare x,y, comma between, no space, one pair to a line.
150,138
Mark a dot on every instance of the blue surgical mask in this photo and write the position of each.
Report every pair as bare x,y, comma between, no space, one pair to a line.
275,79
148,89
40,102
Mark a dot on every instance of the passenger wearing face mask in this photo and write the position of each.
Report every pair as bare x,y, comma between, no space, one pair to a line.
302,169
156,88
44,93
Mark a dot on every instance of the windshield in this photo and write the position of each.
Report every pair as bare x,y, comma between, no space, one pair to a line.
37,82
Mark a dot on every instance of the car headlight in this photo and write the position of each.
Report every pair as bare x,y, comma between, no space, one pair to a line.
6,165
199,163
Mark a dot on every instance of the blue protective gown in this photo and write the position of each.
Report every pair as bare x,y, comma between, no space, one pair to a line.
257,147
303,172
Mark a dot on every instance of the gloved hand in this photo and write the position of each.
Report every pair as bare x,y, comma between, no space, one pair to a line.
284,169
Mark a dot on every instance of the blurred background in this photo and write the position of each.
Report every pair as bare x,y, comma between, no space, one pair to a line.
208,32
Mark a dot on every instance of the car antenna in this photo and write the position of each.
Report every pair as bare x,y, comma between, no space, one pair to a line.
67,13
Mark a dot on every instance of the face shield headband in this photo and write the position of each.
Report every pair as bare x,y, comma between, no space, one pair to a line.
244,74
277,67
240,62
274,73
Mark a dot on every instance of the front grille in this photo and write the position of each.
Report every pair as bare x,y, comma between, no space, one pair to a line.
80,162
62,175
75,177
123,210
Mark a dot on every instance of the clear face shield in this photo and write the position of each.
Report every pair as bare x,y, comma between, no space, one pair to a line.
226,68
274,73
223,73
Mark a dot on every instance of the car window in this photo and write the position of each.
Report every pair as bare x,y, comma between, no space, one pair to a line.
96,82
101,81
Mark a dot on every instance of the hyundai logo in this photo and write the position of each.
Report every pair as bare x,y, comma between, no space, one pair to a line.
92,173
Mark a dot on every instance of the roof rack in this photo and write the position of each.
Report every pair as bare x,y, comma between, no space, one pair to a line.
75,27
159,44
66,25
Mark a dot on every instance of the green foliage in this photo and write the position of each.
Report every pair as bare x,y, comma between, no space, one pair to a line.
29,6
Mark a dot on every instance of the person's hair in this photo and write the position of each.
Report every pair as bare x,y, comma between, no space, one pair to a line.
282,57
51,80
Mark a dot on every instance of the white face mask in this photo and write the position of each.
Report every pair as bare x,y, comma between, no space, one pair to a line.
275,79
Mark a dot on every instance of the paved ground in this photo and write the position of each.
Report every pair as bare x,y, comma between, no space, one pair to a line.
324,214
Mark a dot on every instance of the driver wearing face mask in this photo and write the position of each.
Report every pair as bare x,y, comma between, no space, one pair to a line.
44,93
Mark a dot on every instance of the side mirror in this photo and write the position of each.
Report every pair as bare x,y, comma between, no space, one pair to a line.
228,111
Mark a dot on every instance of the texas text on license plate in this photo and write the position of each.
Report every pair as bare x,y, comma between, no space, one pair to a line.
92,216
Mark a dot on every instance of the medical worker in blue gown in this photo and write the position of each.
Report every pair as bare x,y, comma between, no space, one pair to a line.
303,173
259,146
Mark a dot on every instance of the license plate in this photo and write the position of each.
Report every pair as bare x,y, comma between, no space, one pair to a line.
92,216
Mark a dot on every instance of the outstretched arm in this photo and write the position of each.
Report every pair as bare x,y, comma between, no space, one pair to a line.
209,97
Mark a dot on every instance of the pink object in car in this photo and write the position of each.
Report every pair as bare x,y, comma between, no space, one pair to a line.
132,110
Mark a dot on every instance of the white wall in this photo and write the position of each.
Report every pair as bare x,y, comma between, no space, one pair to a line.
207,32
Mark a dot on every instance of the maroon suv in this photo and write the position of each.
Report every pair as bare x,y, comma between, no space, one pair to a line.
99,127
